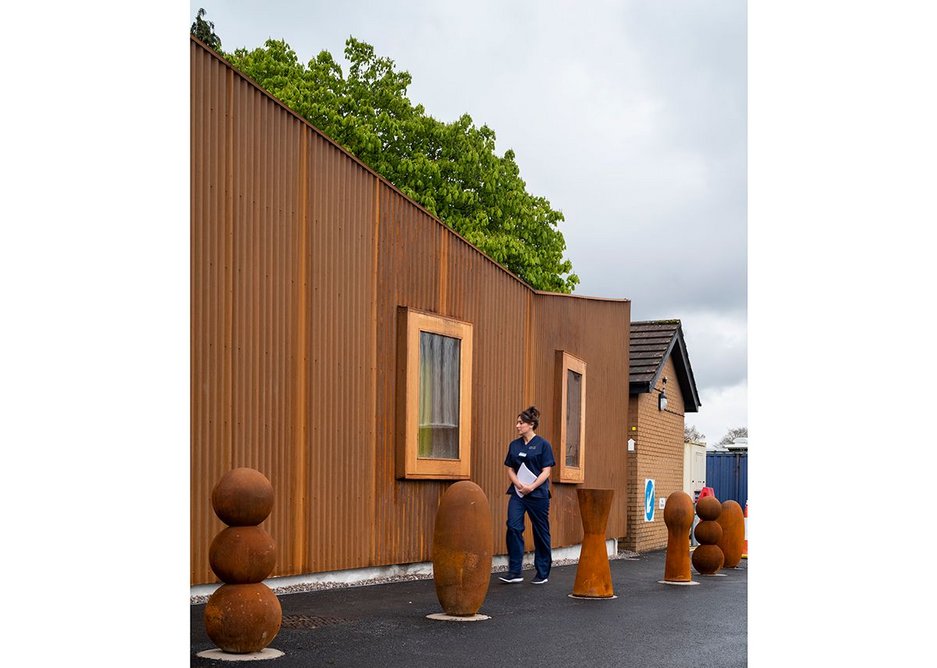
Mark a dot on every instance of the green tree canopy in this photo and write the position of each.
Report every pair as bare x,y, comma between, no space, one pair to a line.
451,169
205,31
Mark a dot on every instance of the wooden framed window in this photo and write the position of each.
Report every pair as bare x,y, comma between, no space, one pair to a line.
571,393
434,398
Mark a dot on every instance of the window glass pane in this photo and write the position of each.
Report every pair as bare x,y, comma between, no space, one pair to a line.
439,396
573,416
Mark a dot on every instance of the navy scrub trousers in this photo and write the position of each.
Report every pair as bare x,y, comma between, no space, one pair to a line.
539,511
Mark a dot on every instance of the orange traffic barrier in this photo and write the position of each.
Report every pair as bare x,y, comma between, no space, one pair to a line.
745,549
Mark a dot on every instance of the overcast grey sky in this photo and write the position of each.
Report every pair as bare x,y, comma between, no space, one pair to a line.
628,116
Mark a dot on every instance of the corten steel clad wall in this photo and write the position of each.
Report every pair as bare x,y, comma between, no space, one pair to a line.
423,265
244,303
301,257
594,331
339,467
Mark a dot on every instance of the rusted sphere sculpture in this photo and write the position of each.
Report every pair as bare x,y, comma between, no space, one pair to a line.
707,557
243,497
708,508
243,615
462,548
242,555
708,533
593,574
678,516
732,543
243,618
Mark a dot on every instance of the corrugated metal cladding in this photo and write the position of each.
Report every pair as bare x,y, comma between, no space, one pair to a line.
300,258
596,332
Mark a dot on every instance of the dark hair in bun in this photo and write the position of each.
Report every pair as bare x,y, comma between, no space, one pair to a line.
530,416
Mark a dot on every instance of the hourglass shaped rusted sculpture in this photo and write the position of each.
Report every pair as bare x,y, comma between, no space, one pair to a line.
462,547
732,543
678,517
243,615
593,574
707,557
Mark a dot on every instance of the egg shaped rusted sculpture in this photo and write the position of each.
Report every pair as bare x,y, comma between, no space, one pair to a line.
707,559
242,618
708,508
732,541
462,549
678,517
593,574
242,555
243,497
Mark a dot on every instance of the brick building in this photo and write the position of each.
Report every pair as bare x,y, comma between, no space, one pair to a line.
662,391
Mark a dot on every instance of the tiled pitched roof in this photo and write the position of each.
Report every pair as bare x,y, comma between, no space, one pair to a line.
652,342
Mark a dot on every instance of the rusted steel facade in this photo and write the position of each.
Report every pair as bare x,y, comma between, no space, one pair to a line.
301,257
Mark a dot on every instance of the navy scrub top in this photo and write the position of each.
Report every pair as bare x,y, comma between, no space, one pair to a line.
537,455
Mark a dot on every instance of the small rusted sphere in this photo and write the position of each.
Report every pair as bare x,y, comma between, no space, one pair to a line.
462,548
708,532
242,555
732,542
708,508
243,497
678,517
707,559
243,618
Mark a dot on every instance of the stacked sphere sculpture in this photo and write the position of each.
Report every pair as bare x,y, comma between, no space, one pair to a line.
243,615
707,557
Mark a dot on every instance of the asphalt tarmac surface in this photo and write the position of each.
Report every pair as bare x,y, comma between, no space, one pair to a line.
648,624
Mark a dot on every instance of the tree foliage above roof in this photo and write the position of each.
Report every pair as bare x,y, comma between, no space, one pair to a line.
205,31
693,435
734,433
451,169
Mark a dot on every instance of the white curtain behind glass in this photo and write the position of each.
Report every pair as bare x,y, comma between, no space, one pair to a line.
573,416
439,396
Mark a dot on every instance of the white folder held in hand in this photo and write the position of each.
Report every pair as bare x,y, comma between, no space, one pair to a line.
526,476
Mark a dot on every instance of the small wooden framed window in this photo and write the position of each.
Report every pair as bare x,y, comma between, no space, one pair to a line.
434,398
571,397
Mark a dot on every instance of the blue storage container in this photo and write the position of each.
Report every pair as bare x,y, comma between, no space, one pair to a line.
727,474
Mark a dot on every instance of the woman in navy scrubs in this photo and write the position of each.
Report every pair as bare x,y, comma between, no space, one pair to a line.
530,493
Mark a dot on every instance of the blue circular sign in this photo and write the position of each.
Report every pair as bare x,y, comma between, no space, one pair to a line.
648,500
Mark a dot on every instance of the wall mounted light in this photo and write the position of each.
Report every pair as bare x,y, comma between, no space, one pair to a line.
662,398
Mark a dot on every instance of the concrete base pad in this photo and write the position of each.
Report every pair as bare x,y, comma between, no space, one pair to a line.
457,618
221,655
679,584
593,598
